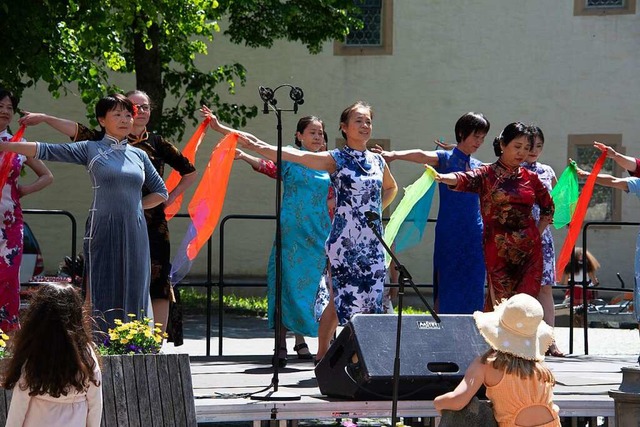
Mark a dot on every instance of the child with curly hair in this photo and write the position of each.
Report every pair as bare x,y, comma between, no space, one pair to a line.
53,369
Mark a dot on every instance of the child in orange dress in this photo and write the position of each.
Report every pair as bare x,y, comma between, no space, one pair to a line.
518,383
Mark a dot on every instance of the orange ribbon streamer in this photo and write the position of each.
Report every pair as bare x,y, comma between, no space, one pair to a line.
189,152
578,216
207,202
7,158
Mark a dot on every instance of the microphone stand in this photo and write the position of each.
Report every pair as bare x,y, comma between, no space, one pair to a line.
403,278
268,97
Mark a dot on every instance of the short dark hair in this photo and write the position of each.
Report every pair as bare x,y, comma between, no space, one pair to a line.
537,133
346,113
111,102
302,125
4,93
471,123
512,131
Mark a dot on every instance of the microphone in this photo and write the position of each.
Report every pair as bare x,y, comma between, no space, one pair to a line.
371,217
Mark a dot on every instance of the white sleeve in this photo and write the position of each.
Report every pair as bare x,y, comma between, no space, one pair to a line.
94,398
19,406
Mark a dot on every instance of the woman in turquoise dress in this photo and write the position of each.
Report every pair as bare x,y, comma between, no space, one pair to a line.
116,245
305,225
363,183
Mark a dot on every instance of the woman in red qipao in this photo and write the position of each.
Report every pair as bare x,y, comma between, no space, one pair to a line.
511,238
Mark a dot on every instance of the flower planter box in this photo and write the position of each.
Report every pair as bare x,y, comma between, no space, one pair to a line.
141,390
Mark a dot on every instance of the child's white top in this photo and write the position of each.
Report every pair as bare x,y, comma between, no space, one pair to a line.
73,410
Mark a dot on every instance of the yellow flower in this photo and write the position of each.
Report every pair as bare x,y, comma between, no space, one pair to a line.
4,336
131,315
2,343
124,341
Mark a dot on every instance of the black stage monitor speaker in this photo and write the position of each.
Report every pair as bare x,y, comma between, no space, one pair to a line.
433,356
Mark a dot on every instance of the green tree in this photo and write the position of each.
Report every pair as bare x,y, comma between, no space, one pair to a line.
80,42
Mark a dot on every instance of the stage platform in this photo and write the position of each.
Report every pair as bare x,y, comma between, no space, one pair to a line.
583,383
220,382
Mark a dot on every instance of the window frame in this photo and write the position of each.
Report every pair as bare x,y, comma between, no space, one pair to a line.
580,8
386,48
613,140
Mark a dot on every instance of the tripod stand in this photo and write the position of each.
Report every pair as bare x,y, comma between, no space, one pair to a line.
270,102
404,278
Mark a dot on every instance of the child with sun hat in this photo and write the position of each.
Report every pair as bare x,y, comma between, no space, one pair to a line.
518,383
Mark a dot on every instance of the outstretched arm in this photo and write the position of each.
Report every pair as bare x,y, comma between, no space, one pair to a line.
63,126
415,156
266,167
626,162
606,180
447,178
317,161
25,148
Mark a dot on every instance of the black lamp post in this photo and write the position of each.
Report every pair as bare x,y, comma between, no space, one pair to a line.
271,103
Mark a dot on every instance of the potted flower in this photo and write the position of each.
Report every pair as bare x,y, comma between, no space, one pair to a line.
133,337
3,343
136,376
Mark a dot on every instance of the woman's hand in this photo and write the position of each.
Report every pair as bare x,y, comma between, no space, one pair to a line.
378,150
444,145
446,178
32,119
581,173
207,113
239,154
611,152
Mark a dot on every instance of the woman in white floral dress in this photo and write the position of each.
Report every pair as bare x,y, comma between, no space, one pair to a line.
363,183
548,178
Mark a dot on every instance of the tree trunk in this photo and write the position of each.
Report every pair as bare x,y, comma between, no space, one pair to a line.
148,68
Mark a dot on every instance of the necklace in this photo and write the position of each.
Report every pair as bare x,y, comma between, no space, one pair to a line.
357,161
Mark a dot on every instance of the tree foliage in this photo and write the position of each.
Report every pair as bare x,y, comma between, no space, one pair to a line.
78,44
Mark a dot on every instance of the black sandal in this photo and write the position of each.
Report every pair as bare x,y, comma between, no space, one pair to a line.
302,346
281,361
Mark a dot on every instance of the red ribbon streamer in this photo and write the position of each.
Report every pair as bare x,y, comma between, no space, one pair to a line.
578,216
189,152
206,205
7,158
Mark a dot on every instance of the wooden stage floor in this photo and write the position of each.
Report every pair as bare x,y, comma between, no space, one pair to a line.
583,383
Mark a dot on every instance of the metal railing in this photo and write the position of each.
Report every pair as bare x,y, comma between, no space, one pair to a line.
585,299
74,229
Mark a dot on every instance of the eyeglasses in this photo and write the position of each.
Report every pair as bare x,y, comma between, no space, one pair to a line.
144,107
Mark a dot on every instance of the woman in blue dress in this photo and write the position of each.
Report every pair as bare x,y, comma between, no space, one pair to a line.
305,225
458,262
116,246
363,183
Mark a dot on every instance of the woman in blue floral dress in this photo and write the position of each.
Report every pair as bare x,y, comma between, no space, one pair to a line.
363,183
